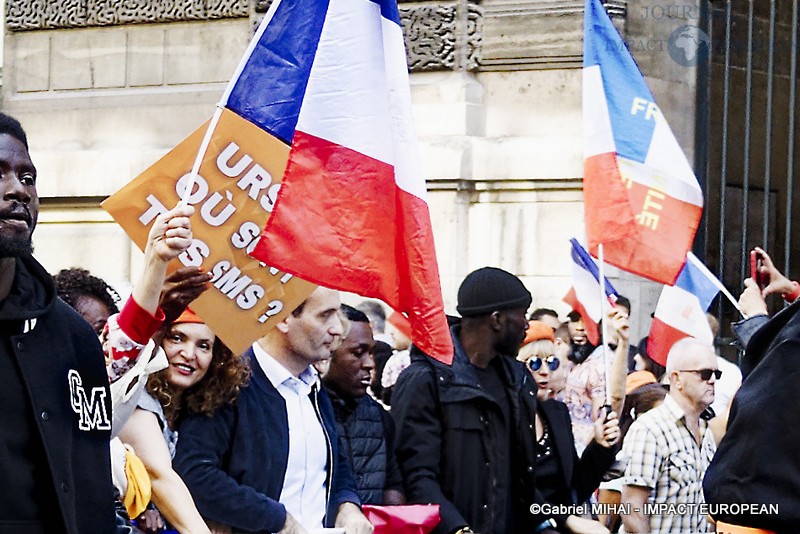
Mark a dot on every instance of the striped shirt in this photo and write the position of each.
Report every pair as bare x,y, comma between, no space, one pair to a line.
663,455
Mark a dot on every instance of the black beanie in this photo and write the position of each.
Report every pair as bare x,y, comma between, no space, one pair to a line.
491,289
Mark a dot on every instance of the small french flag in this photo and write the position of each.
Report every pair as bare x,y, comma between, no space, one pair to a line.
681,309
642,201
583,295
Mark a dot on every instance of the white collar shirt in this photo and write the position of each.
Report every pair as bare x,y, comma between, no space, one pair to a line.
304,493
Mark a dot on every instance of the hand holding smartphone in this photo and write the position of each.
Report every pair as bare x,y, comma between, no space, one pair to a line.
755,269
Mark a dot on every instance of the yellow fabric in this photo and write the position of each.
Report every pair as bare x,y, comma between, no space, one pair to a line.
139,489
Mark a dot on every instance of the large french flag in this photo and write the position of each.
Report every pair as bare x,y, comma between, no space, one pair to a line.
641,198
584,295
329,78
681,309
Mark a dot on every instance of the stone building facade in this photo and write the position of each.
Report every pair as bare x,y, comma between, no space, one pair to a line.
105,88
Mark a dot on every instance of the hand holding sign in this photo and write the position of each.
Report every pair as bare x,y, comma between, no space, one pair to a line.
169,237
171,234
232,195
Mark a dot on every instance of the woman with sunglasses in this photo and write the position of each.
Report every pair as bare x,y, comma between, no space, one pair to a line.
561,477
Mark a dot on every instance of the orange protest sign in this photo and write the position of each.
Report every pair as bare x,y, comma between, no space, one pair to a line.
233,197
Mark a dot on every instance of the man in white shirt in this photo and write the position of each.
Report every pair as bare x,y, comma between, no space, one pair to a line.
271,461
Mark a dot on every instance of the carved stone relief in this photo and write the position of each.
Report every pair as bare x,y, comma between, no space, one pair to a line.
430,35
46,14
261,6
430,31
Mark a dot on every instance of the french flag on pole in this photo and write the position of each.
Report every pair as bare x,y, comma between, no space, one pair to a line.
641,198
681,309
329,78
583,296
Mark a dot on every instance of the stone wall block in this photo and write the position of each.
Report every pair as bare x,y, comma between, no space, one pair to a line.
448,103
88,59
146,56
32,63
197,53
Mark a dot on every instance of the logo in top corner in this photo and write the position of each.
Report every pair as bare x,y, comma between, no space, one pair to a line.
688,45
91,409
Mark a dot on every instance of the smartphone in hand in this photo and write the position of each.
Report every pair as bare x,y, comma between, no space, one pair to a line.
755,269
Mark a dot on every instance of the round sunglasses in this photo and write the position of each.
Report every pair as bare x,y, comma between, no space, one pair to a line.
705,374
535,363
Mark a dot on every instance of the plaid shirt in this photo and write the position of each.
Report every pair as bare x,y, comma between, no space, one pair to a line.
663,455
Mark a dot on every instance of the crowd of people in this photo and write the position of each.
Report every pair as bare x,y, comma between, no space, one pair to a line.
134,417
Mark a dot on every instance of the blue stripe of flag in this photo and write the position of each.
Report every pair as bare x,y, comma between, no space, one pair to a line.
622,82
389,10
270,90
585,261
694,281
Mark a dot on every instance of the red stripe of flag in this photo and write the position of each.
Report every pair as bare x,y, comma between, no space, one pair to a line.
341,221
661,338
655,249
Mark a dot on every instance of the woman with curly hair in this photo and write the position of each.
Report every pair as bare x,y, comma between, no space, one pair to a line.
183,388
202,375
89,295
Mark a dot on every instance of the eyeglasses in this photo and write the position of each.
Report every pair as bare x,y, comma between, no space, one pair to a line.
705,374
534,364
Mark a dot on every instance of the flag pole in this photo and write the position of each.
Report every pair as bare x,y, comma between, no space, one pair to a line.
201,154
603,325
223,101
711,276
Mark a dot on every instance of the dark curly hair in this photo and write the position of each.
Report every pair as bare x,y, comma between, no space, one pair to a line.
227,374
11,126
71,284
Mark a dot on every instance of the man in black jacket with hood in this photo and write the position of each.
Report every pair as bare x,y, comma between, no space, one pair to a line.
56,406
465,436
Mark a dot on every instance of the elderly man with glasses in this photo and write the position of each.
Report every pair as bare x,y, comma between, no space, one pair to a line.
670,447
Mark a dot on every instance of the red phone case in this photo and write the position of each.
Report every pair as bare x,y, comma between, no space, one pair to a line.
755,264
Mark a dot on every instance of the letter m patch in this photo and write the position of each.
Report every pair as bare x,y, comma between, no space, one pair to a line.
91,409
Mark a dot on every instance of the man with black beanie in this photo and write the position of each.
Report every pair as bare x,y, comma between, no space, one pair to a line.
464,432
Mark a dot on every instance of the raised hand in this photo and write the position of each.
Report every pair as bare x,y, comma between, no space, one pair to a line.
181,288
619,323
776,282
171,233
751,301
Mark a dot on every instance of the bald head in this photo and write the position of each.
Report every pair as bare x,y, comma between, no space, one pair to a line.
691,367
689,353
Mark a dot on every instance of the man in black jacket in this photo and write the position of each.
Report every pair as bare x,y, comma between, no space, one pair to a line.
56,406
366,430
465,436
754,479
